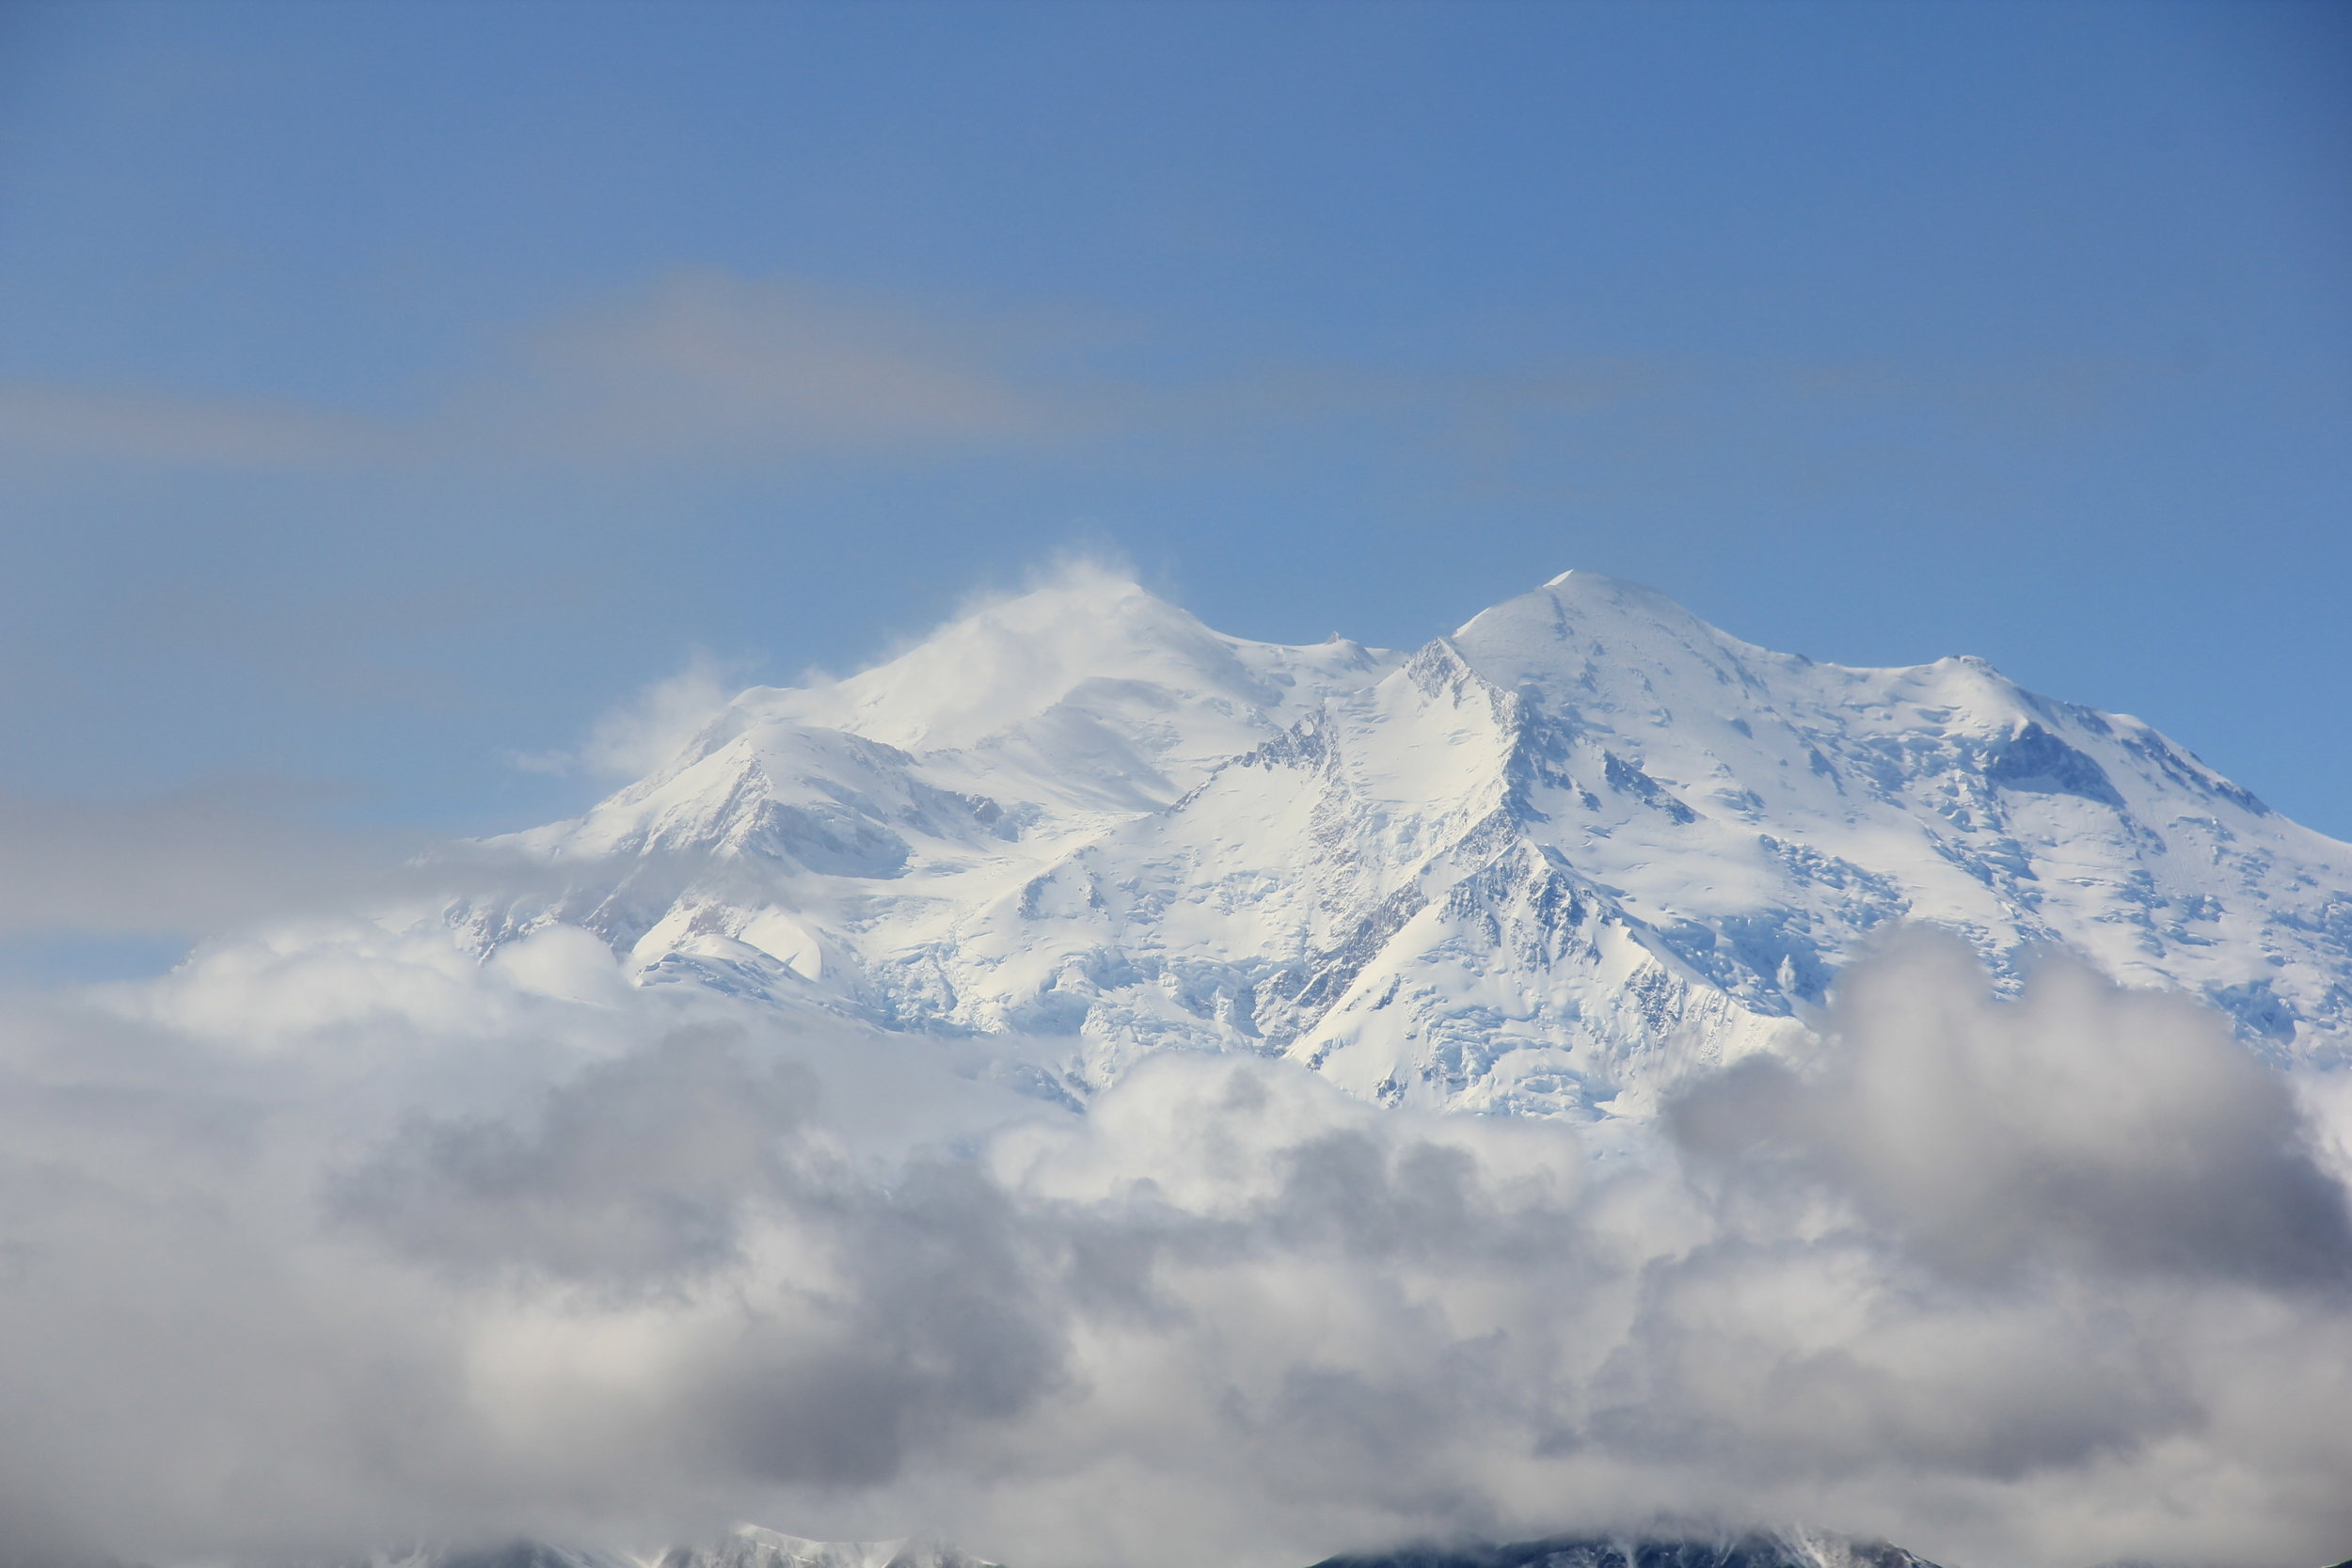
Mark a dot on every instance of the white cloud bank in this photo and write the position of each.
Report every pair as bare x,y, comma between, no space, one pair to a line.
338,1239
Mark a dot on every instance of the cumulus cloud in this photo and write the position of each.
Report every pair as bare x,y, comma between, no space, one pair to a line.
636,1173
343,1238
2085,1127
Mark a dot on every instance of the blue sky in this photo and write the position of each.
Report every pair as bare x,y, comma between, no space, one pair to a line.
386,391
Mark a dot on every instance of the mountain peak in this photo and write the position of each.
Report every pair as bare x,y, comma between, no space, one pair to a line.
1584,580
1008,659
1577,596
1534,866
1585,636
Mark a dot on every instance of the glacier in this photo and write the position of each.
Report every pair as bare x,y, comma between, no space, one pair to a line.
1549,864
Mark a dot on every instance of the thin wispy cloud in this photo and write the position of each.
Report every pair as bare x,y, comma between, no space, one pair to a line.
150,425
699,366
708,366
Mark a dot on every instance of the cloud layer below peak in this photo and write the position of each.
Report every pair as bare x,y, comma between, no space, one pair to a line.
340,1240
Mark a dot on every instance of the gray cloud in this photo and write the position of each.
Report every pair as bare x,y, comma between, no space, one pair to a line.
345,1241
635,1175
2084,1126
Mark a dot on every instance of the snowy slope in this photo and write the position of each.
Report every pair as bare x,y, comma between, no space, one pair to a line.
1543,865
753,1548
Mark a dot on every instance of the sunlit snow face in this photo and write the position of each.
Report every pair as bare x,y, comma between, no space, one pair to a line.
2047,1281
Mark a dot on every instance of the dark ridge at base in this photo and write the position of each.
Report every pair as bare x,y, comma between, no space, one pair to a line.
1753,1551
525,1554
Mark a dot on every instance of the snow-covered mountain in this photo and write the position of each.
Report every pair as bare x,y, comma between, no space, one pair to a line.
747,1547
1543,865
750,1547
1780,1549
